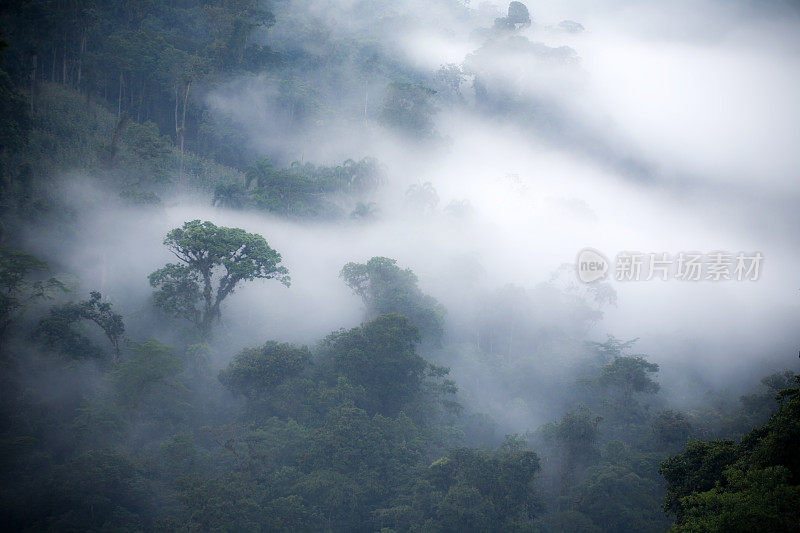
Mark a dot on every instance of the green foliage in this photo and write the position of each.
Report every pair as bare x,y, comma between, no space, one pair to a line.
100,313
16,286
671,429
449,79
380,357
223,139
214,261
618,499
386,288
15,129
307,191
755,485
286,192
422,197
629,375
409,108
577,435
758,406
141,377
68,134
574,521
697,469
755,500
149,153
518,13
362,433
312,445
471,490
611,349
229,195
574,440
57,331
140,198
179,291
103,83
518,17
256,370
138,56
15,120
364,211
95,491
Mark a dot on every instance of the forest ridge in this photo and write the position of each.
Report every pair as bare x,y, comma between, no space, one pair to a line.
136,401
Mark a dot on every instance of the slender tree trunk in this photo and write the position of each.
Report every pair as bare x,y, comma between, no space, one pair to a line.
80,57
64,61
207,316
177,128
366,95
34,65
141,102
183,133
103,261
119,96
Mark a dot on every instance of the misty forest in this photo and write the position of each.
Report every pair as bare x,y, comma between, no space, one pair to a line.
284,265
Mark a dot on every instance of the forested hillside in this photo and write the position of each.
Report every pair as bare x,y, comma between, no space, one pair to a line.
277,266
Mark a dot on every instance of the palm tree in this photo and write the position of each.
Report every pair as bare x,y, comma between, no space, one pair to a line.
229,195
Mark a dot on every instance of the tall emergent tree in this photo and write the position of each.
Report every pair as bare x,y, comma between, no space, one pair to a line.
628,375
387,288
213,260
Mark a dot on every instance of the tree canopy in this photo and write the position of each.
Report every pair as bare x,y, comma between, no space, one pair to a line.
131,408
56,329
386,288
381,357
214,260
753,485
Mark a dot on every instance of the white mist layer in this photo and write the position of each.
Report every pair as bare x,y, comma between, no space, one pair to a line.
717,119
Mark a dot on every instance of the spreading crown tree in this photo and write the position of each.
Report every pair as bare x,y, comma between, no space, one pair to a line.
214,260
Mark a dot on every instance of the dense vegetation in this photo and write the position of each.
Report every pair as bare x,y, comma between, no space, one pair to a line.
105,427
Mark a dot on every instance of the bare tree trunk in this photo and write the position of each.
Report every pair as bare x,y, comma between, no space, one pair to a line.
119,95
141,102
115,136
177,128
34,65
80,57
64,61
208,301
182,133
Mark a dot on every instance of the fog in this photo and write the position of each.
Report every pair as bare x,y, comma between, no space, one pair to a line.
529,266
663,127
